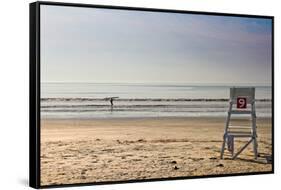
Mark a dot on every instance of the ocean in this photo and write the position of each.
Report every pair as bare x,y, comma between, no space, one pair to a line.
90,100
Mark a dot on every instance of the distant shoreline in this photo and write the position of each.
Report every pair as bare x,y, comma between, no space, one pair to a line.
151,99
142,118
162,83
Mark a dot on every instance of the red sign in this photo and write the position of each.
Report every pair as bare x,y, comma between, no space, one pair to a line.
241,103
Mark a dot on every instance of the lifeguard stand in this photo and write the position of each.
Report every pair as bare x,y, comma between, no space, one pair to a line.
242,97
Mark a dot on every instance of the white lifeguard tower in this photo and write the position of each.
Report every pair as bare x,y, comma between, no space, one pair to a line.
243,98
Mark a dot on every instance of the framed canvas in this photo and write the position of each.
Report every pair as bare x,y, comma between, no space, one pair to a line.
126,94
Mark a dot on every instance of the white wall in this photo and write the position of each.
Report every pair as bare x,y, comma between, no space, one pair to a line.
14,92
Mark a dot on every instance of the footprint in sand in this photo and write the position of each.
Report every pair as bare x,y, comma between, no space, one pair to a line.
213,158
141,140
83,172
196,159
83,177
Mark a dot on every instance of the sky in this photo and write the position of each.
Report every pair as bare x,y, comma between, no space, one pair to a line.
122,46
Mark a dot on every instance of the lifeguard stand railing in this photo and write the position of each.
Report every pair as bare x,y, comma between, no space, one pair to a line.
242,101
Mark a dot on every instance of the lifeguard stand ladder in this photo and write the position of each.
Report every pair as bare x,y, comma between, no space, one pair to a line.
241,97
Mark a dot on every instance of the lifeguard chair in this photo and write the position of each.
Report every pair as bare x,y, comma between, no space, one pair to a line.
243,98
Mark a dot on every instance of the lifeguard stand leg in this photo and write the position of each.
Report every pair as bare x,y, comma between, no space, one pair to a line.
254,128
226,129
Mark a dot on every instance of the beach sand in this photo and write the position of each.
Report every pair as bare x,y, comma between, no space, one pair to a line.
97,150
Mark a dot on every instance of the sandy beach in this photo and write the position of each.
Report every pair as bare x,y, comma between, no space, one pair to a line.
96,150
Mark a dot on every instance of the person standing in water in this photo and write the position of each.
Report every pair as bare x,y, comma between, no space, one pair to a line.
111,101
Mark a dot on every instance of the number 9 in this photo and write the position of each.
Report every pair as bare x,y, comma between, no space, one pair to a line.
242,103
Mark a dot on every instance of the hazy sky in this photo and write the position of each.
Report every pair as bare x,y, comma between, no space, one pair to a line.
102,45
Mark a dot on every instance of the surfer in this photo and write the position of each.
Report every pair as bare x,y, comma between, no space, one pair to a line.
111,101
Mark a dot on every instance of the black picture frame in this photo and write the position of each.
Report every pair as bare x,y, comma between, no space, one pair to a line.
34,90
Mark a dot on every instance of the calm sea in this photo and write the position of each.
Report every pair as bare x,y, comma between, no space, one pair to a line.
88,100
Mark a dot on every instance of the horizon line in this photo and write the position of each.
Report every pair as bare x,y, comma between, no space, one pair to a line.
180,83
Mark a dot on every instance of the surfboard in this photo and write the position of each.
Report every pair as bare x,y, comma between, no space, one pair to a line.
113,97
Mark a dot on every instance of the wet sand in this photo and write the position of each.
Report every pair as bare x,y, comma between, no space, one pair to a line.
83,151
